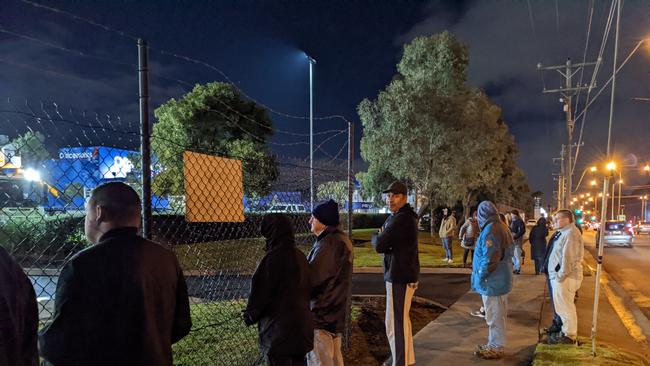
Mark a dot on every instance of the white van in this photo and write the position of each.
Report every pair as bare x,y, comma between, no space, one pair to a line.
287,208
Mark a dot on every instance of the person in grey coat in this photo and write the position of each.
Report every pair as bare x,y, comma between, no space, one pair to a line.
468,234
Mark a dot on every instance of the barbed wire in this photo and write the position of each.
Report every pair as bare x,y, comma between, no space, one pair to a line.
80,53
184,58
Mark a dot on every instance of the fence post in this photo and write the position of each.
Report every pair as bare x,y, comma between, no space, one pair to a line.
145,136
347,336
350,176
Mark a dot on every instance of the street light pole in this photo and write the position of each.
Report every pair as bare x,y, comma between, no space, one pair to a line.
312,62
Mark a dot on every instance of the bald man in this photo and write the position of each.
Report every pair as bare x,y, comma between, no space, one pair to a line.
122,301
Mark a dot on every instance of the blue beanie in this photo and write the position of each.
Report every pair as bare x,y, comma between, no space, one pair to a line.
327,213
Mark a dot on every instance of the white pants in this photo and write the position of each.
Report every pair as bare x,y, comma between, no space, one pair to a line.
564,292
398,322
327,349
496,314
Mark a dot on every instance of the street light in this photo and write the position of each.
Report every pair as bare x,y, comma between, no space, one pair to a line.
32,175
646,168
312,62
593,169
611,166
593,183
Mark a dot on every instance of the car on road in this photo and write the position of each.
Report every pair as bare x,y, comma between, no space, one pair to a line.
616,233
286,208
531,222
643,227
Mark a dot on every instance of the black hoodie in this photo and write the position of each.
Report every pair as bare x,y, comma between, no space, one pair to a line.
398,241
279,298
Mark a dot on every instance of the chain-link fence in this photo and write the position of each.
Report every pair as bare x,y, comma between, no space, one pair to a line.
206,205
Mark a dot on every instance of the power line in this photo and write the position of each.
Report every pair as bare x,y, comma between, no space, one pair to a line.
181,57
82,19
592,84
182,82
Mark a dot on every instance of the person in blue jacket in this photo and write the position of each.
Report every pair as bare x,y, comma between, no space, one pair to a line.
492,277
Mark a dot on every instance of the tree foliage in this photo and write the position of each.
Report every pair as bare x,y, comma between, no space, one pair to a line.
429,127
31,147
338,191
213,119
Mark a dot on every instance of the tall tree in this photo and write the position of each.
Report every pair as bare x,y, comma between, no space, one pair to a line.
429,127
213,119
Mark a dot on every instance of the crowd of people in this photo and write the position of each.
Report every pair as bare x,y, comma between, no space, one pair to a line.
124,300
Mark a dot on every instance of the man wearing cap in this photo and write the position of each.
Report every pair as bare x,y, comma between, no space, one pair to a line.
330,264
397,240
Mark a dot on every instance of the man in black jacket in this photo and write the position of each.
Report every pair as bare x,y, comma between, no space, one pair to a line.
330,262
398,242
18,315
279,298
518,229
122,301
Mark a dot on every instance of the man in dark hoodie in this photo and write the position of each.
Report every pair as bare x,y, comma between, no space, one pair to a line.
279,298
398,242
18,315
122,301
330,262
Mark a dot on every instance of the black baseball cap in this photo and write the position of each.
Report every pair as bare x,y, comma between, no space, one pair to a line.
396,187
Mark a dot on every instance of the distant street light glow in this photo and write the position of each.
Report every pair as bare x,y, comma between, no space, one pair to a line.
611,166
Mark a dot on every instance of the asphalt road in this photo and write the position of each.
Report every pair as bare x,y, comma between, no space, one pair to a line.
630,267
442,288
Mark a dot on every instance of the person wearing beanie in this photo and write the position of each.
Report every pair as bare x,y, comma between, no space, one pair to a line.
330,263
398,242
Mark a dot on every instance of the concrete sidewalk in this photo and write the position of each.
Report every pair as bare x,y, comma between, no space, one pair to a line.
452,337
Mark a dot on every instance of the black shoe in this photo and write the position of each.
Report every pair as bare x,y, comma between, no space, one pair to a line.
560,339
554,328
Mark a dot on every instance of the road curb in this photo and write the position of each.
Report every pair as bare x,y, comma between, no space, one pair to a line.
636,323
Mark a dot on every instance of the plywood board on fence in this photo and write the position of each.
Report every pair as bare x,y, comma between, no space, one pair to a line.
214,189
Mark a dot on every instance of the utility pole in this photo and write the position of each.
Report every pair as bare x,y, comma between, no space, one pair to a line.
560,179
567,92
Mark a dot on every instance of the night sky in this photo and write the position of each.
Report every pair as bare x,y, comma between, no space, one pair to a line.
260,45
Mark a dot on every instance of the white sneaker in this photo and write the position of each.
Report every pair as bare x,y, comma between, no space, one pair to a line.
450,261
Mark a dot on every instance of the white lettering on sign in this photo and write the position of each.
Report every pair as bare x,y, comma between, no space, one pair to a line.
86,155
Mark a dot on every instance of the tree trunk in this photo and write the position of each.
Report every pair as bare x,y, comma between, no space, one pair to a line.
431,219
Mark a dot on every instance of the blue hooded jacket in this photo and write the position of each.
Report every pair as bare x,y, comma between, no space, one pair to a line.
491,265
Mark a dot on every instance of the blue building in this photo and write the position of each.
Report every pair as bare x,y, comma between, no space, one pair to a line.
85,168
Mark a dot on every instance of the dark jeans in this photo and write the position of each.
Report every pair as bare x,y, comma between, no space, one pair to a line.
467,251
284,360
538,265
556,318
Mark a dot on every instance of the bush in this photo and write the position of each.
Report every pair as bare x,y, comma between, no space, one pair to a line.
42,239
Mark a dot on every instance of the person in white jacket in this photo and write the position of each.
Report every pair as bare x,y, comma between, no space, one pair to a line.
565,273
